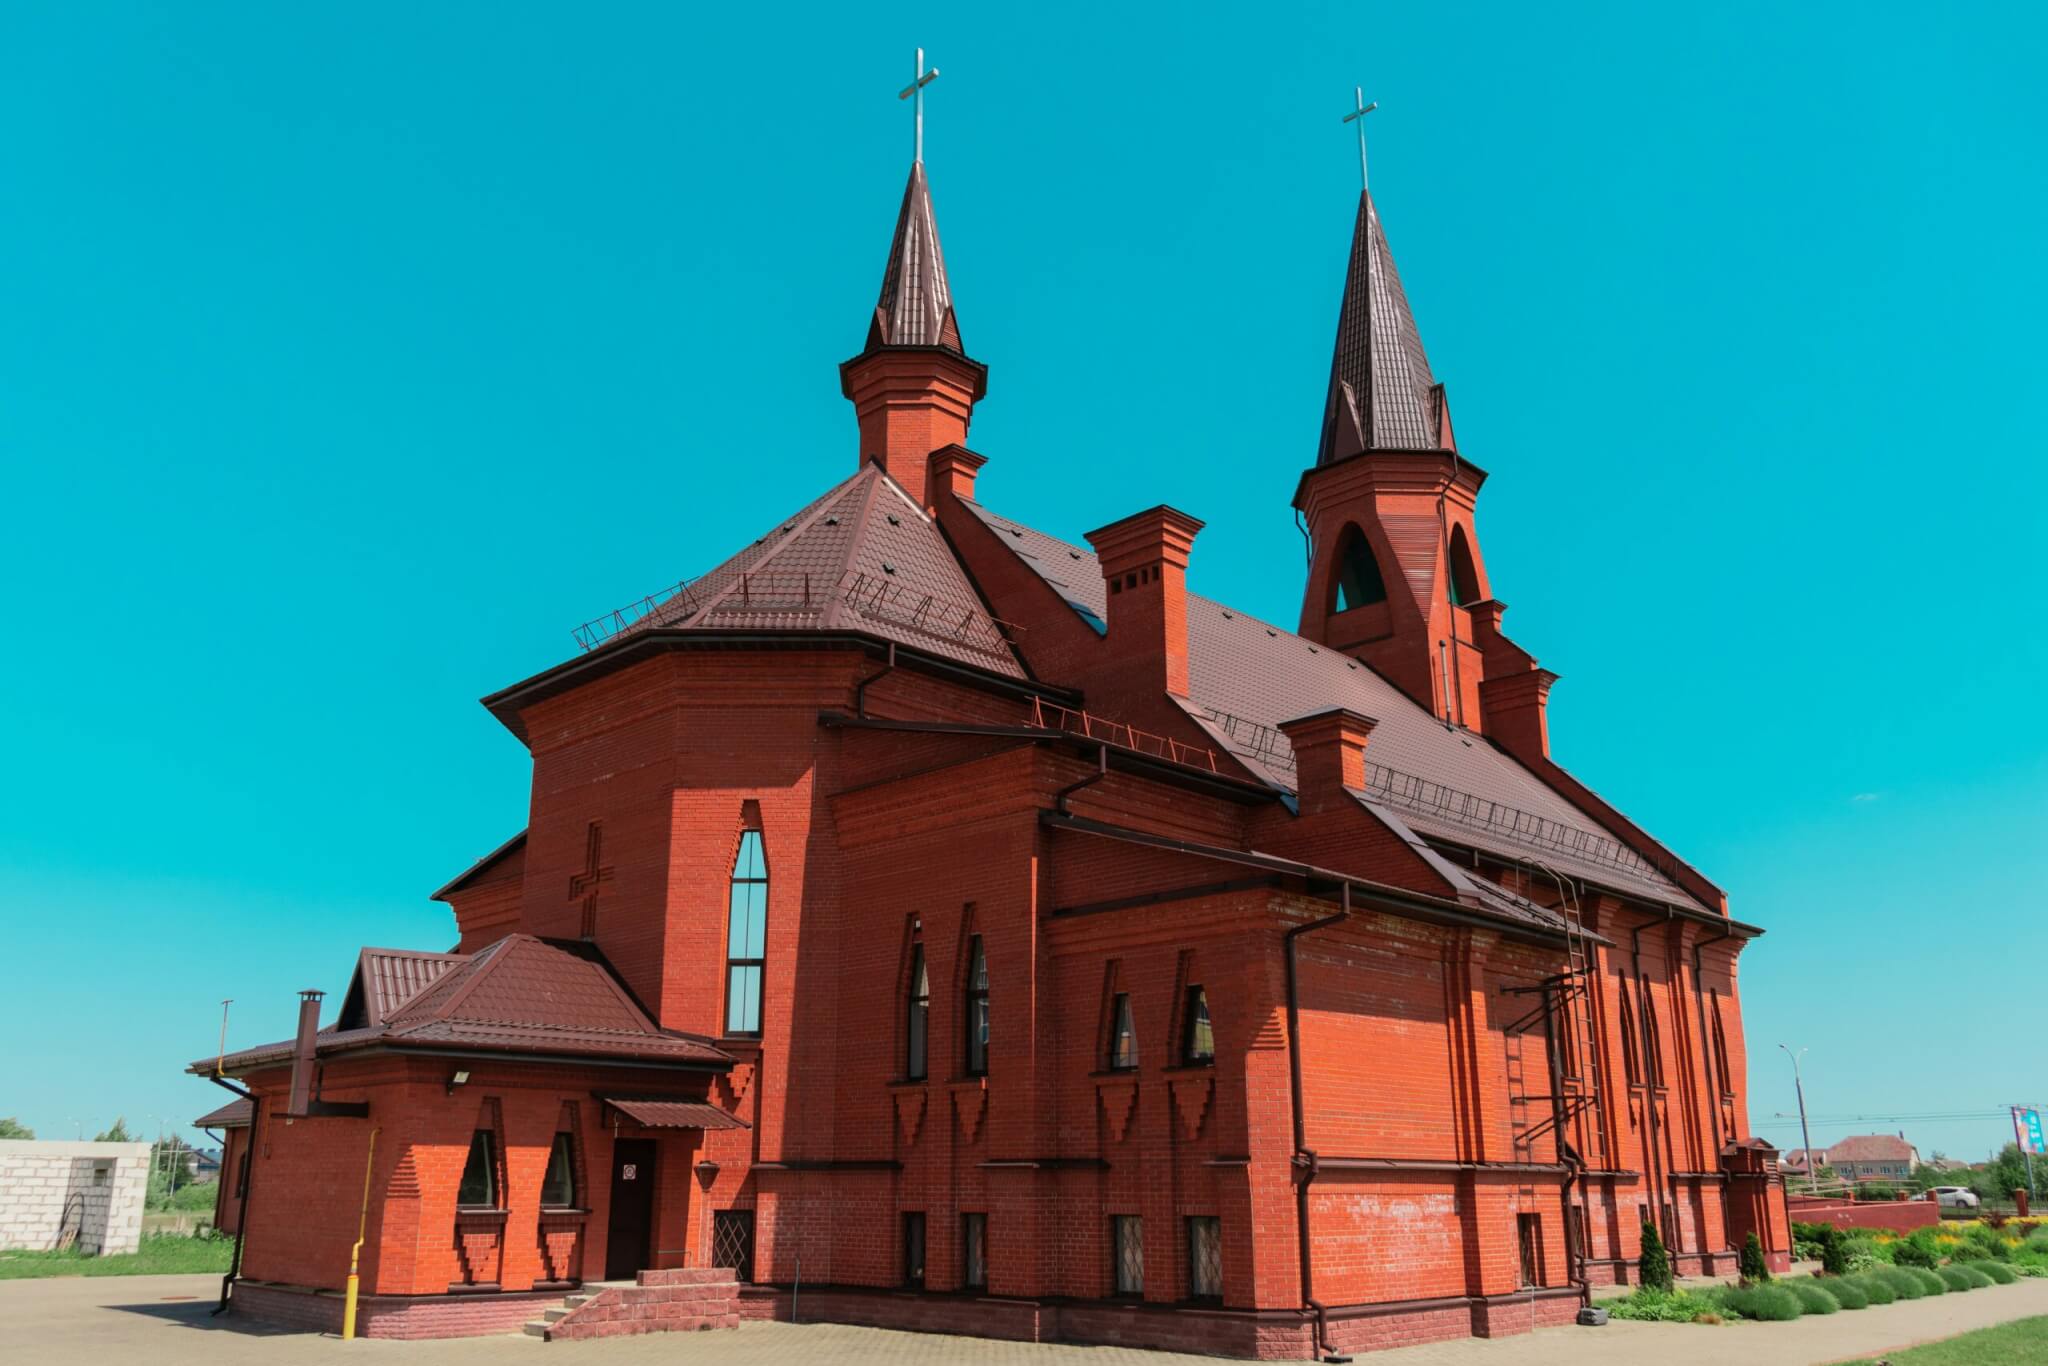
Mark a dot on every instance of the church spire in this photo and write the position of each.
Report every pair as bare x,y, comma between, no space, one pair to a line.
913,385
1382,396
916,307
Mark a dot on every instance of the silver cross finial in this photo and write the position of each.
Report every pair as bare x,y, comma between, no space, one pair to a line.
915,93
1357,116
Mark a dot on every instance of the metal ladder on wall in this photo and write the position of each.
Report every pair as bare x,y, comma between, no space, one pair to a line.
1565,1004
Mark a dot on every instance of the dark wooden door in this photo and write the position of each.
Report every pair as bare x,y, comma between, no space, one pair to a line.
632,1220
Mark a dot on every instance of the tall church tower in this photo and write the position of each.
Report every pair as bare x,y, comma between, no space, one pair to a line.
1396,577
913,385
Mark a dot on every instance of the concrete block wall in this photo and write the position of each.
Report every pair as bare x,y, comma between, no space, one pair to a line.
94,1191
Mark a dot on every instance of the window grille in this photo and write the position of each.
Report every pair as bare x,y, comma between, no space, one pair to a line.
1127,1239
746,937
974,1251
1198,1038
913,1249
1205,1257
977,1009
732,1241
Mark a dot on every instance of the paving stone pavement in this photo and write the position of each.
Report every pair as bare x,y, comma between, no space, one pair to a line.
90,1321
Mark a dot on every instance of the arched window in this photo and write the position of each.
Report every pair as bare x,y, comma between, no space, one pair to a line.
746,937
920,1014
1464,577
1358,573
976,1015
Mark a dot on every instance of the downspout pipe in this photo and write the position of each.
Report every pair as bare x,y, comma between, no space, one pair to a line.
1059,801
242,1216
860,689
1305,1156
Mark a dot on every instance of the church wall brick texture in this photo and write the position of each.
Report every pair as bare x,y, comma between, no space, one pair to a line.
1000,938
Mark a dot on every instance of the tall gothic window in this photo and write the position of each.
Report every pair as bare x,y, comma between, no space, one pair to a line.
746,937
1721,1049
976,1016
1123,1035
1358,573
1198,1038
1464,576
919,1010
558,1183
478,1188
1630,1044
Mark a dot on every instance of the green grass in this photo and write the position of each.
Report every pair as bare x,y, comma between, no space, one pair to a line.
159,1256
2023,1342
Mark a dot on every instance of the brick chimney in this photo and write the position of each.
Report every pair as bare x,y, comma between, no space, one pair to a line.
302,1052
1329,754
952,471
1514,693
1144,568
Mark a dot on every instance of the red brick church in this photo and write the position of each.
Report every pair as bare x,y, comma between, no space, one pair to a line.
945,924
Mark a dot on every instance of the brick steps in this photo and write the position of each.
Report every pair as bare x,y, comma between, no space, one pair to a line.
684,1300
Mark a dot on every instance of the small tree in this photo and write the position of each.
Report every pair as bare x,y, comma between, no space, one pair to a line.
118,1134
10,1127
1653,1268
1751,1265
1834,1251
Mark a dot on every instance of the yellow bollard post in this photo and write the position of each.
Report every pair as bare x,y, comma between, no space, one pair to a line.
355,1254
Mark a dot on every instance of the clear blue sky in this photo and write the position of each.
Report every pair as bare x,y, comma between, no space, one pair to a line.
350,357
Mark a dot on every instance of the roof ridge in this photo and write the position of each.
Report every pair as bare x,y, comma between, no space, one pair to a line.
835,606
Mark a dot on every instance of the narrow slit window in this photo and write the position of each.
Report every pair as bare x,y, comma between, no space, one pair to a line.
974,1251
917,1023
1630,1044
1123,1035
558,1186
1205,1257
746,937
1198,1037
913,1250
1127,1246
976,1016
479,1186
1721,1049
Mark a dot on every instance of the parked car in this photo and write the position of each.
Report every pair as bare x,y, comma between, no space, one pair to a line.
1956,1197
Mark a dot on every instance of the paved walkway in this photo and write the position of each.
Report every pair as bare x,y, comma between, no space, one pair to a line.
81,1321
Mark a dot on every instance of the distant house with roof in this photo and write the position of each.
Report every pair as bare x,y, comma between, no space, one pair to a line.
1861,1157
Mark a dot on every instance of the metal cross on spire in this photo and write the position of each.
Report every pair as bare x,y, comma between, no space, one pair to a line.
1357,116
914,92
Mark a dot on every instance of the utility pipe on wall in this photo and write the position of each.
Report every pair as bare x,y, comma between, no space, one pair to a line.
1304,1156
355,1254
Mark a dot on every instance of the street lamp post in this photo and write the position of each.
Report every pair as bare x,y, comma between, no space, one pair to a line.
1799,1089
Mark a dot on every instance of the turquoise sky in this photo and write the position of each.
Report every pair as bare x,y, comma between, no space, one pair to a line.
353,355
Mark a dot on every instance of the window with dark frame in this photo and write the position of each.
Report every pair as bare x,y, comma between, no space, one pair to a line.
732,1241
913,1249
746,937
1575,1231
1529,1230
1721,1049
558,1185
974,1251
976,1016
479,1185
1127,1250
1671,1230
1205,1257
1654,1053
919,1016
1630,1044
1123,1035
1197,1036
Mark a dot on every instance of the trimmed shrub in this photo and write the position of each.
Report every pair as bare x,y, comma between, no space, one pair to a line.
1914,1253
1960,1277
1876,1286
1653,1268
1751,1264
1999,1272
1659,1306
1812,1297
1835,1252
1931,1283
1903,1282
1847,1293
1765,1303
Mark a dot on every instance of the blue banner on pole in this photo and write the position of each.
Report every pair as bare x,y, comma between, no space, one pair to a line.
2026,1125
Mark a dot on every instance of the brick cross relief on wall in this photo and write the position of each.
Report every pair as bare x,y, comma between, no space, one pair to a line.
586,886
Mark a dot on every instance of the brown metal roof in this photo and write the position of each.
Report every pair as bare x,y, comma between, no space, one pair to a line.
675,1114
477,869
1868,1148
863,557
520,995
916,307
233,1115
1245,677
386,979
1382,395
